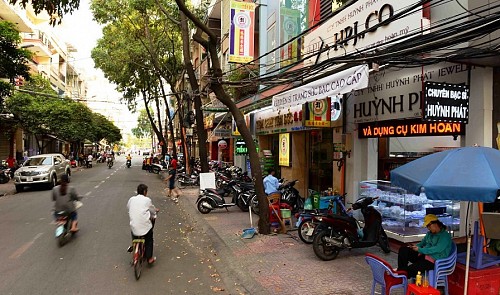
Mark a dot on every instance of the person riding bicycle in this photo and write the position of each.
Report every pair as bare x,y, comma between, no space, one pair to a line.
142,215
64,197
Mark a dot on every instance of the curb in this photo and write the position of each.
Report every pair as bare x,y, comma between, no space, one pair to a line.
246,281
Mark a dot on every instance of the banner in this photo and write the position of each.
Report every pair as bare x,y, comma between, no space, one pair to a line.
284,154
446,102
290,27
317,113
241,33
339,83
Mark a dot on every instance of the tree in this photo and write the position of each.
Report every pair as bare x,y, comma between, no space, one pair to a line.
13,60
38,110
211,44
55,8
143,129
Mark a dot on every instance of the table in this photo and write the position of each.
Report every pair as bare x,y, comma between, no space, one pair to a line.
416,290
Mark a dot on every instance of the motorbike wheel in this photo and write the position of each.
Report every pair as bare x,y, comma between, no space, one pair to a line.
201,208
304,227
383,241
241,204
254,203
3,179
321,249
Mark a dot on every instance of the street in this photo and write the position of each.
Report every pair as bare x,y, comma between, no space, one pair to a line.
96,261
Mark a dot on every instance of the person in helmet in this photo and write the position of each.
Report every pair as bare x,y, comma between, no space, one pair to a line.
435,245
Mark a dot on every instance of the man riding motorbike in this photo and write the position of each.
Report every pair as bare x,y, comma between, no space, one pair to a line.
129,160
64,197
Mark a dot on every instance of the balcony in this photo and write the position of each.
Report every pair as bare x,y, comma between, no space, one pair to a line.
39,41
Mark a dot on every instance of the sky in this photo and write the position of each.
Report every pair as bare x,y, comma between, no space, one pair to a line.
82,32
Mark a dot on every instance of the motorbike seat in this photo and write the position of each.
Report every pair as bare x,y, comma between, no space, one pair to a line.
216,191
342,217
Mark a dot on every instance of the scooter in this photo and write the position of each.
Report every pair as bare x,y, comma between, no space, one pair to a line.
211,199
63,225
338,232
110,163
307,220
291,196
129,163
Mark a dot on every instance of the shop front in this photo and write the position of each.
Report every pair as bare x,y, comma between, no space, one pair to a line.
405,114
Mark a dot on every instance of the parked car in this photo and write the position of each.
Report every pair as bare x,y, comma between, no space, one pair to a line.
45,169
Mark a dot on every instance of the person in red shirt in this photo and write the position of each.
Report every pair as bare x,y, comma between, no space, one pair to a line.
173,163
11,163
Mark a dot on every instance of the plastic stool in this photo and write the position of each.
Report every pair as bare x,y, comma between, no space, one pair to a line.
416,290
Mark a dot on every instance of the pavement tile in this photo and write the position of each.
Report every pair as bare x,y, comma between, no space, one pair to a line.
282,263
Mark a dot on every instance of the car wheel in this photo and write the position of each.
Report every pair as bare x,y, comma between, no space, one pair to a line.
53,181
19,188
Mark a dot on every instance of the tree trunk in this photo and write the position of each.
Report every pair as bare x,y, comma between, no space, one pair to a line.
216,86
200,126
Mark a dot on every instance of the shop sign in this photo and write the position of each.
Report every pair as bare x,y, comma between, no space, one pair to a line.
290,28
339,83
446,102
208,121
317,113
284,155
222,144
222,132
396,93
272,122
409,128
355,28
240,147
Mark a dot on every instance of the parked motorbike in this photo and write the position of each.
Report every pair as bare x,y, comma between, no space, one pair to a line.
5,174
307,220
185,179
211,199
158,167
63,225
129,163
337,232
291,196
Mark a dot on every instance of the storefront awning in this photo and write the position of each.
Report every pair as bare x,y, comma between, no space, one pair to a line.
336,84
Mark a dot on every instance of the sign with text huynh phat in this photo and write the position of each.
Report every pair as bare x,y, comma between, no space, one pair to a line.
446,102
339,83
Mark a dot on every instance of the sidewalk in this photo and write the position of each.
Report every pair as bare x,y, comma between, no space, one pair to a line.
7,188
281,264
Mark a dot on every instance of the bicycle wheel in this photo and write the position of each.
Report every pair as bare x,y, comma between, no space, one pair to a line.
138,259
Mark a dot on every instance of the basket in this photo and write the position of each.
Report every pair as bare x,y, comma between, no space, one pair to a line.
286,213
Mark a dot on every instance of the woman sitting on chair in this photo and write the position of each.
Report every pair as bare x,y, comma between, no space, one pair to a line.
435,245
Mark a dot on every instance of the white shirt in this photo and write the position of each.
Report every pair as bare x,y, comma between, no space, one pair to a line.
140,210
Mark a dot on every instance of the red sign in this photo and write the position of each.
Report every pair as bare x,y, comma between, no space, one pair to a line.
408,128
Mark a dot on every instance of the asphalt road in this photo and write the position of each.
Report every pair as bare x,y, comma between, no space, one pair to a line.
96,261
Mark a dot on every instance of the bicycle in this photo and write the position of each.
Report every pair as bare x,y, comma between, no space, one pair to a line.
138,258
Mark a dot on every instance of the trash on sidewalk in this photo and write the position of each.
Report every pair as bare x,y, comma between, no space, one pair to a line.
248,233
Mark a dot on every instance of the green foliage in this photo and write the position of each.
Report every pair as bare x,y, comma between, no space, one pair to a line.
38,110
243,75
143,129
55,8
13,60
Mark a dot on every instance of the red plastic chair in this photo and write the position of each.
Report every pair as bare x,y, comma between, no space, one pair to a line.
385,276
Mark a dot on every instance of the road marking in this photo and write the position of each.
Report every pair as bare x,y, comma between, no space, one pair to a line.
87,194
24,247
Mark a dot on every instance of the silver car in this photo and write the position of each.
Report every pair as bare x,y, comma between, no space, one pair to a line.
45,169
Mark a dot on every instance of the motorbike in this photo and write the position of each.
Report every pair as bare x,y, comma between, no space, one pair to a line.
73,163
185,179
63,225
110,163
4,174
89,163
338,232
307,220
211,199
129,163
291,196
158,167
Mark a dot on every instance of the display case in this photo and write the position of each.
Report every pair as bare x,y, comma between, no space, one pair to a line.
403,213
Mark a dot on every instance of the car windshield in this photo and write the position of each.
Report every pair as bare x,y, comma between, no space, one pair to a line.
38,161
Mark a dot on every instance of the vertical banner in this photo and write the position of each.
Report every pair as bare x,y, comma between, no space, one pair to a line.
241,34
318,113
284,154
290,25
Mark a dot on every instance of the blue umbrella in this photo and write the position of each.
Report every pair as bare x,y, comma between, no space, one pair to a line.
462,174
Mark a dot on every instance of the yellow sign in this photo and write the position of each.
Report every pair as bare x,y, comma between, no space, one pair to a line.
284,153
